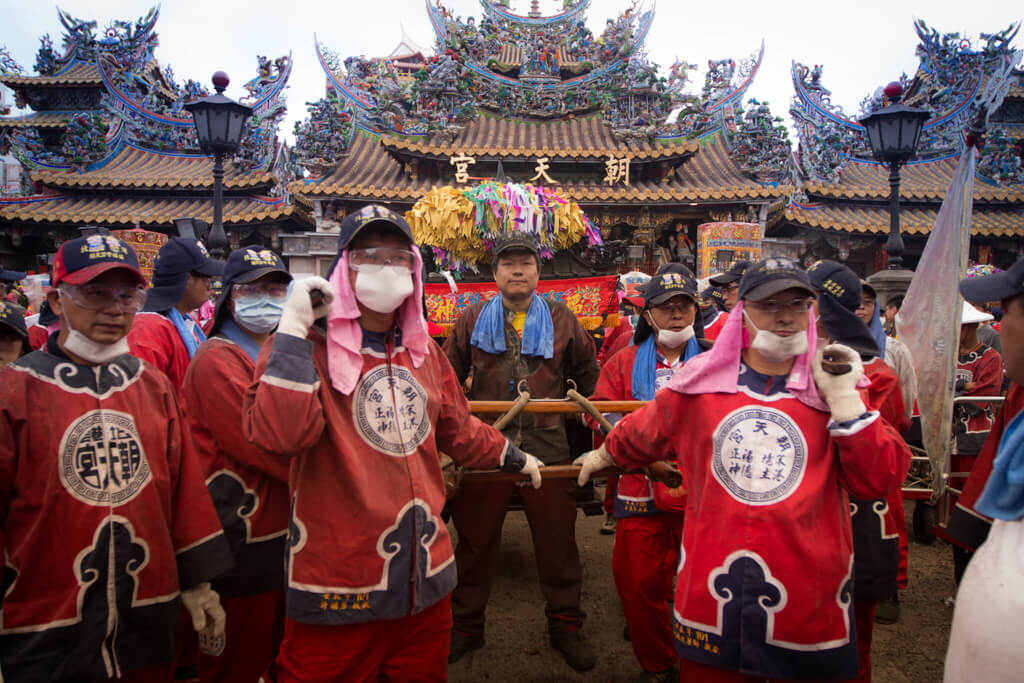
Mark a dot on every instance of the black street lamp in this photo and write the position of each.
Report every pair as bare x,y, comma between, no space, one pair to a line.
220,123
893,132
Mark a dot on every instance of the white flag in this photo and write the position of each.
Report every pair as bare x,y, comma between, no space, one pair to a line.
929,321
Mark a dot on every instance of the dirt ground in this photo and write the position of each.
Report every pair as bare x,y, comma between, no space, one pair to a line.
517,649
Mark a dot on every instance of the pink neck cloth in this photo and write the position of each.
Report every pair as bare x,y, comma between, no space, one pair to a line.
345,335
717,371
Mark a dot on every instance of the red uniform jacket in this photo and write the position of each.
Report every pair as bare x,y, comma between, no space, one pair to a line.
105,518
618,338
714,328
154,338
972,421
366,541
634,495
249,485
765,579
37,336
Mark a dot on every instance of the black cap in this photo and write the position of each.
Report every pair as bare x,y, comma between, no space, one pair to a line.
674,267
243,266
869,288
839,292
515,240
995,287
660,289
46,315
13,316
11,275
174,262
713,296
734,274
770,276
376,216
80,260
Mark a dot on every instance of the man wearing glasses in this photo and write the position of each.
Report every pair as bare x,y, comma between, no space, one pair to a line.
249,485
360,407
773,447
729,283
106,517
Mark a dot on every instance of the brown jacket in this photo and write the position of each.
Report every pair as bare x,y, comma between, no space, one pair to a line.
495,377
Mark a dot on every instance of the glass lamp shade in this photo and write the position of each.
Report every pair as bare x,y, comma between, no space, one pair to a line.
219,122
894,132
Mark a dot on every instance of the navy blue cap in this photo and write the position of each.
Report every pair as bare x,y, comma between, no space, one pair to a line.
11,275
80,260
660,289
714,297
13,316
995,287
46,315
771,276
373,215
243,266
734,274
174,262
838,282
839,294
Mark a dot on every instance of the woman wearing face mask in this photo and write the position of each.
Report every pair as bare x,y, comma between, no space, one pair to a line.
650,515
249,486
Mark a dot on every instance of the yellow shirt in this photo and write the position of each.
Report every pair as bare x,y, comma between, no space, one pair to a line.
519,321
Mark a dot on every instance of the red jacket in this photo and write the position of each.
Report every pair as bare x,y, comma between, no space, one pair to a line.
765,579
714,328
105,518
618,338
972,421
249,485
366,541
635,493
154,338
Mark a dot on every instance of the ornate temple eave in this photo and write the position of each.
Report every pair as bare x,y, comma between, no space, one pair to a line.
38,120
74,73
985,222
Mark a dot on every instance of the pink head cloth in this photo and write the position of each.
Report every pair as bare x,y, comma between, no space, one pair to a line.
345,335
717,371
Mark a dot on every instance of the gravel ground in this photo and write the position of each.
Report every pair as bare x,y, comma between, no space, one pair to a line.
517,649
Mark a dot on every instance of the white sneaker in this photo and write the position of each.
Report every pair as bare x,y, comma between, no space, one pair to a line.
608,526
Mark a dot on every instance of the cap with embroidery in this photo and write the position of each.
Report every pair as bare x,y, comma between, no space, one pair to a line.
663,287
83,259
372,215
771,276
175,261
734,274
13,316
243,266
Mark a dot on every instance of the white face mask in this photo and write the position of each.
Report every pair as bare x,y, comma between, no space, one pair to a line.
672,339
385,290
776,348
77,344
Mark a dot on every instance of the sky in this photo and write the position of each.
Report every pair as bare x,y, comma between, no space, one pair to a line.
861,46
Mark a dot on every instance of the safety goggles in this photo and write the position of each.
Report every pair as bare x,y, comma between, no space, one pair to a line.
96,297
275,290
373,259
795,307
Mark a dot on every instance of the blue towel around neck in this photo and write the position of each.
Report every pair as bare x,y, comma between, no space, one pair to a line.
538,330
1003,497
185,331
230,329
878,332
645,365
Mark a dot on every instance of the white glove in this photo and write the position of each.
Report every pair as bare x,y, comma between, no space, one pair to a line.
840,391
299,314
592,461
203,605
532,468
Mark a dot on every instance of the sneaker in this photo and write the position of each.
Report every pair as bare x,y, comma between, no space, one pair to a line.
574,647
888,611
463,644
608,525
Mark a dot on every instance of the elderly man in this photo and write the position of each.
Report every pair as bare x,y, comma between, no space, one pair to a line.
520,338
774,446
249,486
729,283
362,406
107,521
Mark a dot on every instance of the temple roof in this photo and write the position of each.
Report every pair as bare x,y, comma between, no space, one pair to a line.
74,72
988,222
924,181
584,137
133,167
38,119
369,172
130,211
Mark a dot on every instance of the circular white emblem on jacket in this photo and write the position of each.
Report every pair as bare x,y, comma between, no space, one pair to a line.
391,412
759,455
101,458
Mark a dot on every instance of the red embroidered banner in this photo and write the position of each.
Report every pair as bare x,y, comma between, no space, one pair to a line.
588,297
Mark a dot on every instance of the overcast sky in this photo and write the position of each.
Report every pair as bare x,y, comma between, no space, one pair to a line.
862,46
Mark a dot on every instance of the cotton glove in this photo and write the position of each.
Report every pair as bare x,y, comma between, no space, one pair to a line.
203,605
840,391
592,461
299,313
532,468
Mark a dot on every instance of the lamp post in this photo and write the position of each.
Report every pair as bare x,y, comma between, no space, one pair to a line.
894,132
219,122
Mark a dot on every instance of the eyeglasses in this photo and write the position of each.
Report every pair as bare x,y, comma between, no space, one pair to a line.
728,287
275,290
673,307
373,259
96,297
796,306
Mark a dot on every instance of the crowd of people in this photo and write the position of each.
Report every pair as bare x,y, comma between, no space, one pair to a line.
260,497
